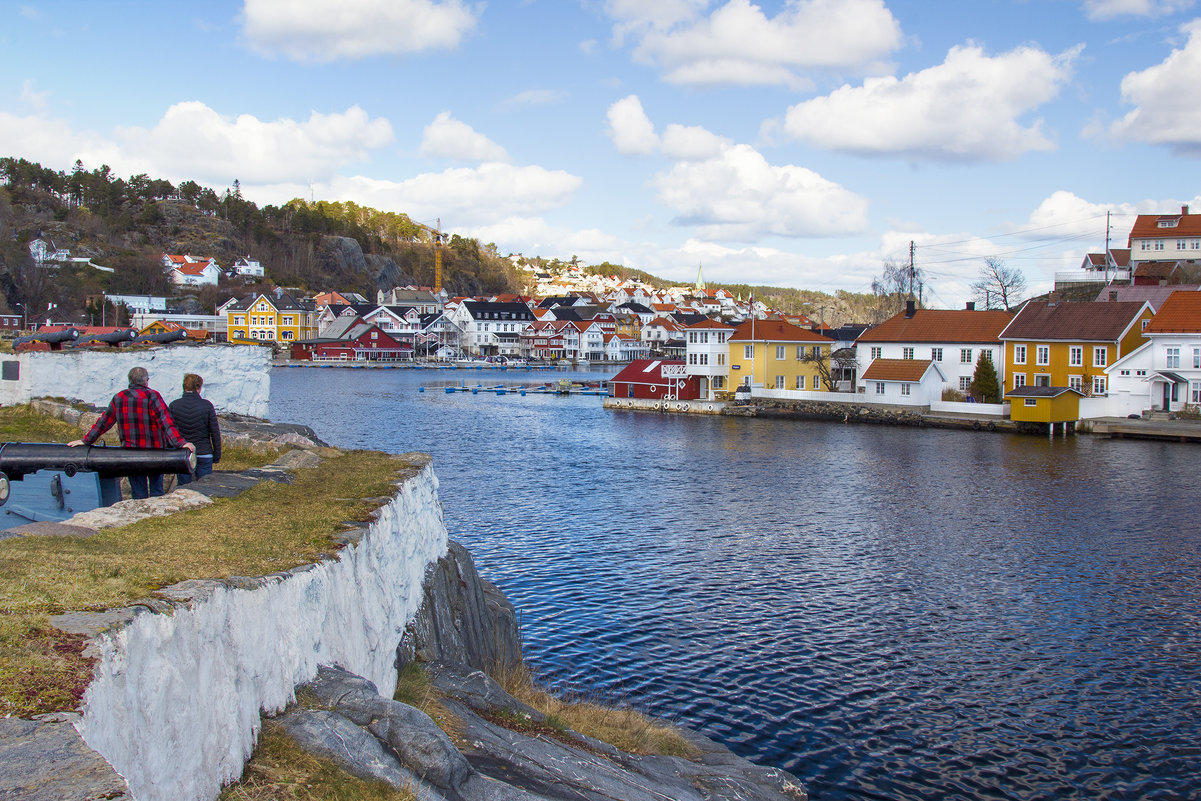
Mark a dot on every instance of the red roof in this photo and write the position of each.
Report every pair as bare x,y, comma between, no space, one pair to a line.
897,370
1081,321
1164,226
1179,314
644,371
707,323
941,325
774,331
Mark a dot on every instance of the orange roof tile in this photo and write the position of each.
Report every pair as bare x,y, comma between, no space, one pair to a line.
1179,314
940,325
897,370
774,331
1147,226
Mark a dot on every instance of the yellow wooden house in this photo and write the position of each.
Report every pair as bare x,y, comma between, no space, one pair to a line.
775,354
276,317
1057,344
1040,404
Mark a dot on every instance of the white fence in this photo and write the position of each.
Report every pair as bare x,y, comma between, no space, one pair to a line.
956,407
805,395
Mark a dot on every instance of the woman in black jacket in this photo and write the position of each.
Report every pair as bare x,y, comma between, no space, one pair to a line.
196,419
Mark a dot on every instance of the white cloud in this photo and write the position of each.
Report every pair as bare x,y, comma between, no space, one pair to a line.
53,142
1108,9
447,137
630,129
739,196
966,108
1063,213
738,44
194,141
1167,111
692,143
316,30
468,196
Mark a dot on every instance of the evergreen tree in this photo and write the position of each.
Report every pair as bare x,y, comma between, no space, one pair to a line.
985,386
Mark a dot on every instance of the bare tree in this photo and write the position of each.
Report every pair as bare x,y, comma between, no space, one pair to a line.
998,286
896,283
831,367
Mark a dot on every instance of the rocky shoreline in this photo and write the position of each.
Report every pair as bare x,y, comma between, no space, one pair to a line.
463,628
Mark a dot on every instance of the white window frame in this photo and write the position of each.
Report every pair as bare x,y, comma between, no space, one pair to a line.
1076,356
748,351
876,352
905,389
907,353
1019,354
965,355
800,382
936,354
1019,380
1100,356
1099,386
780,353
879,387
1042,354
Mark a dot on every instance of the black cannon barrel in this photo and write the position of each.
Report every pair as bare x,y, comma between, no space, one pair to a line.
163,338
111,338
49,337
19,459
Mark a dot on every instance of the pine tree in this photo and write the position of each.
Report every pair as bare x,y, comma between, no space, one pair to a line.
985,386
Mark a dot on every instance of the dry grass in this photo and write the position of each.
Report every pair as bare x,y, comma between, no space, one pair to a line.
413,687
624,728
279,770
270,527
23,424
236,458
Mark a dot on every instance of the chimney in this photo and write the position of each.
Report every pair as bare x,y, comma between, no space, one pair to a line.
910,309
1053,298
1184,211
971,305
1113,296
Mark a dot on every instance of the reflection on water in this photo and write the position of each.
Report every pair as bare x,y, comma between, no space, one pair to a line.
886,612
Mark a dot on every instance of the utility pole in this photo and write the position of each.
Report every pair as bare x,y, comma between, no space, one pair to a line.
912,270
1107,247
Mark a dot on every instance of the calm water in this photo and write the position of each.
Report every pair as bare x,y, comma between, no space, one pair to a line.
887,613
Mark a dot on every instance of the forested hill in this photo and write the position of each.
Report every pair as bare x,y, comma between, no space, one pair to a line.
127,224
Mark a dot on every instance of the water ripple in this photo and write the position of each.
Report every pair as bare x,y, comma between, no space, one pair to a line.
888,613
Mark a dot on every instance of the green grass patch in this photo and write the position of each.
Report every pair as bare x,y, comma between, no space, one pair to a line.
279,770
268,528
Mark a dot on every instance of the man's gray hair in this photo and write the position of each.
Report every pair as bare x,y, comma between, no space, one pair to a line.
138,377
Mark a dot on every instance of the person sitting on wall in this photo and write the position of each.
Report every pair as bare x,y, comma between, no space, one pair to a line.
142,421
197,421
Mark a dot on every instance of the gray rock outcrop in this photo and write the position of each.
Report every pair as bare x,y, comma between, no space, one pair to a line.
465,629
377,738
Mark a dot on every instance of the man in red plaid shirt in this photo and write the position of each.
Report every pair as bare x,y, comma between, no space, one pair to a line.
142,421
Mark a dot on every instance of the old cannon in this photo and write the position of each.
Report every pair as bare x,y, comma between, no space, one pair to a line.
55,339
49,481
164,338
117,337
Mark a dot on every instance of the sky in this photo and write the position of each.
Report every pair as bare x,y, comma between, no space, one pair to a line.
798,143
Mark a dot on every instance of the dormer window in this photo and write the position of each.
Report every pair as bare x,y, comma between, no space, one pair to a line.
1170,222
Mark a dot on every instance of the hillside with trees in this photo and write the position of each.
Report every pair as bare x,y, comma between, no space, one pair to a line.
127,224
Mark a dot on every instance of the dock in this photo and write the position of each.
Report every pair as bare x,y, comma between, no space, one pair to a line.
1138,428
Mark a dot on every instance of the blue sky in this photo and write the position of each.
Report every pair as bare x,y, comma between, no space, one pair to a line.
796,143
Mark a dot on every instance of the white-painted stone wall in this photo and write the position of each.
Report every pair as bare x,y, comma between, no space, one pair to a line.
175,702
237,378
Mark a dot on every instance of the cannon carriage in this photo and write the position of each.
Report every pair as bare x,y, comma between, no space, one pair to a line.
53,482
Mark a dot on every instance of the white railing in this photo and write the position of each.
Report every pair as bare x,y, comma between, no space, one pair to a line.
1090,277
